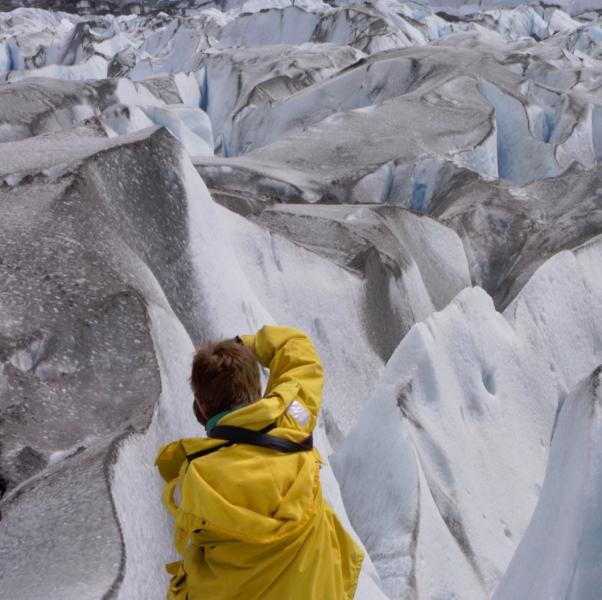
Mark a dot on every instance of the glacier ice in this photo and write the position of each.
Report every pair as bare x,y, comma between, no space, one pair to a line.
416,185
567,511
455,403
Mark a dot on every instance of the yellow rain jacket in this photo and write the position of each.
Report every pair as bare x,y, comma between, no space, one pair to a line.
251,523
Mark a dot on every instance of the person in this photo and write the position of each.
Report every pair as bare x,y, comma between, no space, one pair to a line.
251,522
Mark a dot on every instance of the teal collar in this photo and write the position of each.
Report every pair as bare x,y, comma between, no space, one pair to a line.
214,420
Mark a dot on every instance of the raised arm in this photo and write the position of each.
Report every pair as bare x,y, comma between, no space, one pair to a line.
291,357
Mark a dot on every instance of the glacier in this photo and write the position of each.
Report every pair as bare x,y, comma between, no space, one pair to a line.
415,184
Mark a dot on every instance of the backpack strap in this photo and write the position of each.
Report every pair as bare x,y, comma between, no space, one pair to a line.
190,457
240,435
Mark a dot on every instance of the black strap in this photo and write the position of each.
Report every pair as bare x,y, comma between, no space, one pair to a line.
190,457
200,453
239,435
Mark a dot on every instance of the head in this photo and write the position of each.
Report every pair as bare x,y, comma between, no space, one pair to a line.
224,375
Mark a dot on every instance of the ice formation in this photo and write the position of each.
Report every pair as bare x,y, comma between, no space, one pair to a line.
416,185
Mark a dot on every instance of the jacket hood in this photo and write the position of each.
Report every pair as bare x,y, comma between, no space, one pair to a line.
243,492
248,493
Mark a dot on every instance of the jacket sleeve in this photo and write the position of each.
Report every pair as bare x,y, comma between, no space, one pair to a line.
291,358
169,460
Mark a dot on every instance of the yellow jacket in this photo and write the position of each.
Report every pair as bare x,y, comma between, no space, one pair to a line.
252,523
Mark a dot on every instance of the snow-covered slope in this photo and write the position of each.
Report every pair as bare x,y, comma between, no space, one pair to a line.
418,190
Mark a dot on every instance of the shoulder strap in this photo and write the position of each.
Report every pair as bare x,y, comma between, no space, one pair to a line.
190,457
239,435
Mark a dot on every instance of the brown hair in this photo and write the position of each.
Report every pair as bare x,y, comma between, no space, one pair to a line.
224,375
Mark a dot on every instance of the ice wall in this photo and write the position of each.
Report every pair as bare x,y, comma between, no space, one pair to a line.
559,553
460,427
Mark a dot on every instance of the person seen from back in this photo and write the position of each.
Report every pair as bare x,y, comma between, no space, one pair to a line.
251,522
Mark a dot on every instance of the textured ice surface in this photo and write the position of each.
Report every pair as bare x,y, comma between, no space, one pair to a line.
466,409
567,512
351,169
